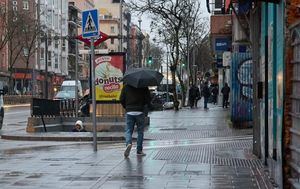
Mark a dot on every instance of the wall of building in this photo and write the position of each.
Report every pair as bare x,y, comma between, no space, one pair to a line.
272,43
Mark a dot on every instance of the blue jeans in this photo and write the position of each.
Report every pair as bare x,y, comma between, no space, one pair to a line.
131,120
205,102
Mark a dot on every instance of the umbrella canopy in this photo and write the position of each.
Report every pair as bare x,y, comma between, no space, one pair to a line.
141,77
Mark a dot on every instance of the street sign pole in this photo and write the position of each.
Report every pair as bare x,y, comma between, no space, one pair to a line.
90,30
93,94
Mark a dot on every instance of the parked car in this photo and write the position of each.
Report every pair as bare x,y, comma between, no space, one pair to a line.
65,95
159,100
69,85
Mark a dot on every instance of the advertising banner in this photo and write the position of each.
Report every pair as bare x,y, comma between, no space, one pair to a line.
109,70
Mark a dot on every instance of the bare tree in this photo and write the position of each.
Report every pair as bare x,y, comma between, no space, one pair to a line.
170,15
8,28
156,52
30,32
181,27
22,45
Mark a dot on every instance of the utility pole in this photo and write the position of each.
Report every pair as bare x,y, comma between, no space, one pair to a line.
38,57
140,36
167,76
76,73
121,26
46,64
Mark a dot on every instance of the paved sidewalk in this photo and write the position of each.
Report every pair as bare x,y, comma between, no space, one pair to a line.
188,149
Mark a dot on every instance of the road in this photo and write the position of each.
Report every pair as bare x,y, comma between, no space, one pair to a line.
15,118
189,149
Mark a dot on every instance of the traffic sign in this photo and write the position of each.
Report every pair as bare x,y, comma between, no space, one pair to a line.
103,37
90,23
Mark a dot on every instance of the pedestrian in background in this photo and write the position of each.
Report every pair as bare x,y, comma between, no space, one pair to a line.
206,94
134,101
192,96
225,91
214,92
198,96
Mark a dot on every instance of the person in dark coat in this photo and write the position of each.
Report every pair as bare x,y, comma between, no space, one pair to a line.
214,93
198,96
193,94
225,91
134,101
206,94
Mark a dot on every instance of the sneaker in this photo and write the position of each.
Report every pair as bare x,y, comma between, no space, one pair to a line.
127,150
140,153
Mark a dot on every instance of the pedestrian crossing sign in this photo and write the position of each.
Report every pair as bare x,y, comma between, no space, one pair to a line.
90,23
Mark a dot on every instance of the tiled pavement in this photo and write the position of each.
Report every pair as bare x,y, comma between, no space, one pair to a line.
192,149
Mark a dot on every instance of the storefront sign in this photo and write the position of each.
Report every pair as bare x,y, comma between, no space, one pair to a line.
109,70
222,44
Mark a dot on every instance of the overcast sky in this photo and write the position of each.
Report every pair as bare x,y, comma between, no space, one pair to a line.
146,20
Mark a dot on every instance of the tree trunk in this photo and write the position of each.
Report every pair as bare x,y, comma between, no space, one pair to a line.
10,83
175,99
183,91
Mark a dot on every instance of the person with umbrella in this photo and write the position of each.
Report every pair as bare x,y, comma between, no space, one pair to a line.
135,96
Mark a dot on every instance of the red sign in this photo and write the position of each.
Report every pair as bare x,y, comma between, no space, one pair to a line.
103,37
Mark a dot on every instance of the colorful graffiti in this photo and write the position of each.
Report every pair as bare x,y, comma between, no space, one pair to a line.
242,89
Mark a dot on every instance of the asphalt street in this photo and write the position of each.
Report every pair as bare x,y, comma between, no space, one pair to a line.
189,149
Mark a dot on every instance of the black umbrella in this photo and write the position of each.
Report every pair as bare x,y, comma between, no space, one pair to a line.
141,77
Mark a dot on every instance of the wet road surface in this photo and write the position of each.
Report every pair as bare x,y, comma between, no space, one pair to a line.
190,149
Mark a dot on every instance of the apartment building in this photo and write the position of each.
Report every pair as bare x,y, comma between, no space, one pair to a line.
75,9
115,21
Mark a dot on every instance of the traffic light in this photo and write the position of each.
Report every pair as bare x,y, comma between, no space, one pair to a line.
150,60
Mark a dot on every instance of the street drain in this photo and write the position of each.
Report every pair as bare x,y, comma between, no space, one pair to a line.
61,159
35,175
173,129
79,178
208,154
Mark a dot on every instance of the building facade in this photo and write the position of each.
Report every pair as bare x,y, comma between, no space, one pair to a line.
115,20
54,42
75,9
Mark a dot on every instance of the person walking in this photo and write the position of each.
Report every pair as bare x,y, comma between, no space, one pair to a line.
134,101
206,94
198,96
225,91
214,93
192,96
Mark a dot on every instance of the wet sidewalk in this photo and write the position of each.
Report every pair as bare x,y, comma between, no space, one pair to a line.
186,149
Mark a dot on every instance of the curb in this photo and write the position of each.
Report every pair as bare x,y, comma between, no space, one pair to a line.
59,139
64,138
16,105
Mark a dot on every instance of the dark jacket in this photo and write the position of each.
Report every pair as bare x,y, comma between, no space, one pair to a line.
225,90
205,91
135,99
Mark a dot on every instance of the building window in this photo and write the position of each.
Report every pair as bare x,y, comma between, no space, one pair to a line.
25,5
56,61
15,8
112,41
42,53
112,29
15,3
49,58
